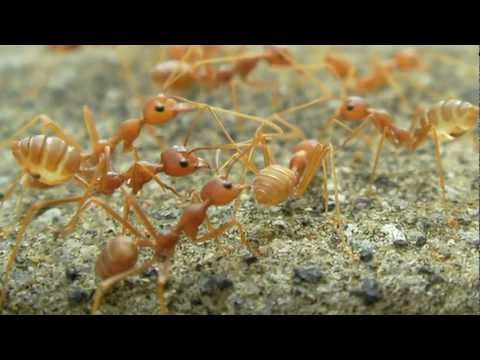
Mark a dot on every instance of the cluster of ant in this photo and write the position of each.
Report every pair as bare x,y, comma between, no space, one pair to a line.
52,161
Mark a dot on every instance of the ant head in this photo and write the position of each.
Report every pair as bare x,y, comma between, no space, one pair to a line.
221,191
178,162
278,55
159,110
170,70
407,59
354,108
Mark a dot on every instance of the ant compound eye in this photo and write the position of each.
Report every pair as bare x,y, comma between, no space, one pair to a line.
350,107
160,108
228,185
184,163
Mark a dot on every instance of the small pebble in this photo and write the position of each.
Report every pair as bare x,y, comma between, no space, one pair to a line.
384,182
280,223
250,259
362,203
417,237
151,272
370,292
394,235
215,283
309,274
433,277
72,274
78,296
476,244
366,254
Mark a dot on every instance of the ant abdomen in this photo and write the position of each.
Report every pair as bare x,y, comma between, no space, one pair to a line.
452,118
274,184
164,71
49,160
119,255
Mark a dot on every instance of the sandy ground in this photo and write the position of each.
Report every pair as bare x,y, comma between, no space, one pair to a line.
414,256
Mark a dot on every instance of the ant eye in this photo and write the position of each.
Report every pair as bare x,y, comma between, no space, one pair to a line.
228,185
350,107
159,108
184,163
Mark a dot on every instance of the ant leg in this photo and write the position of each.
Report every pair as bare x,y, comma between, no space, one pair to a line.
325,185
398,89
47,124
18,204
192,126
110,282
249,164
152,131
438,156
314,162
162,280
223,229
295,133
157,179
259,120
300,107
108,209
91,127
308,75
174,76
356,131
101,171
126,214
375,162
338,217
7,194
127,71
20,235
141,214
333,169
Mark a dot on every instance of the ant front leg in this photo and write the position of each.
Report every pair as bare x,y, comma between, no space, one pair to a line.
223,229
375,162
110,212
7,194
438,157
314,163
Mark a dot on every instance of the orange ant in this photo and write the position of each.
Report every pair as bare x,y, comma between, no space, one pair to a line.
157,110
63,48
382,75
50,162
193,52
118,259
181,75
445,120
